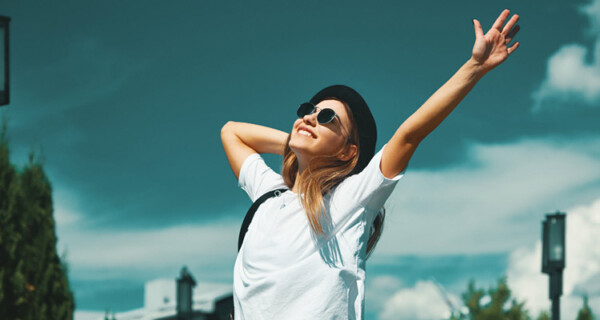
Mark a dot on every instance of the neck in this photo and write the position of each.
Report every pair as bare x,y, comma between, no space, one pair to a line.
296,183
301,168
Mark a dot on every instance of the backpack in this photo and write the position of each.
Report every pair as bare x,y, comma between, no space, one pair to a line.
252,210
248,219
277,193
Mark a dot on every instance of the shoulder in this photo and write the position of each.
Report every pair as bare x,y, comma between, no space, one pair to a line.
361,187
256,177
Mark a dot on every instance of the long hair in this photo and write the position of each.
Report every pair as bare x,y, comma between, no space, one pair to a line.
322,174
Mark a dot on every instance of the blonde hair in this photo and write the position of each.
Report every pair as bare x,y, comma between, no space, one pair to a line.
322,174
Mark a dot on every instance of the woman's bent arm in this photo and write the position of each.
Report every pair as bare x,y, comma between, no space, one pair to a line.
489,51
243,139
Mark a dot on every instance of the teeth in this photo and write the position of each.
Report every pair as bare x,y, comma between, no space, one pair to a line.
304,132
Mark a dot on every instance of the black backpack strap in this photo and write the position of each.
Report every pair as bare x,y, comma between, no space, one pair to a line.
252,210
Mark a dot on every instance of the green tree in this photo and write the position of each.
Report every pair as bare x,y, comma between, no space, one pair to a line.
33,281
9,237
501,307
585,313
499,304
544,315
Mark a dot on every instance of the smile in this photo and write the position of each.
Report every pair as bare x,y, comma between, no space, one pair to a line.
305,133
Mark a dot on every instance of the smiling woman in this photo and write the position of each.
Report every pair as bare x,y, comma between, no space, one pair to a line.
305,251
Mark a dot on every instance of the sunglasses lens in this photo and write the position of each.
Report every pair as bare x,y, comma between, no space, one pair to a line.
305,109
325,116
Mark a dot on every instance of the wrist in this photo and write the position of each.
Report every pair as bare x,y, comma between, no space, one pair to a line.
475,68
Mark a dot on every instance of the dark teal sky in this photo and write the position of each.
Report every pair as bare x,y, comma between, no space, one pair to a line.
126,99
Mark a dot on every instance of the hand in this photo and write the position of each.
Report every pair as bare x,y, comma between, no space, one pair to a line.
492,49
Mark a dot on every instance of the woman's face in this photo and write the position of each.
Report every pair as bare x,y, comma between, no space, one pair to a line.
309,138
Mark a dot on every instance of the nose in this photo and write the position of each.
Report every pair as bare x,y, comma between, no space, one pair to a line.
311,119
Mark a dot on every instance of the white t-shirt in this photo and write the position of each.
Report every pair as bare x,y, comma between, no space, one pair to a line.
283,271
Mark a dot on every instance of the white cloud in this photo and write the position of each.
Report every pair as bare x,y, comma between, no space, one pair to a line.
462,209
89,315
582,273
145,254
473,208
423,301
592,10
112,248
495,202
570,74
581,277
64,213
379,289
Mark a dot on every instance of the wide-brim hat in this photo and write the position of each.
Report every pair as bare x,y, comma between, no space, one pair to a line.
365,123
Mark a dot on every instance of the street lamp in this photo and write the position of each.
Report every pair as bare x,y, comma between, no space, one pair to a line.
185,283
4,97
553,256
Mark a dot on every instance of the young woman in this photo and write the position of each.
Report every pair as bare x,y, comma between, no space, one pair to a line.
304,254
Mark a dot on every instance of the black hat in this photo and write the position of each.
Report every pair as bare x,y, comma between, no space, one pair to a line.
365,123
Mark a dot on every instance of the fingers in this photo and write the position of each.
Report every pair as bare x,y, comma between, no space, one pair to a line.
500,21
511,34
509,30
508,27
512,48
478,30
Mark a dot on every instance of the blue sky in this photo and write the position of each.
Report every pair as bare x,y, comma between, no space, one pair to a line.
125,100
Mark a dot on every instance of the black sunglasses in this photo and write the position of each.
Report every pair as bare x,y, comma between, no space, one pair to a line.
325,115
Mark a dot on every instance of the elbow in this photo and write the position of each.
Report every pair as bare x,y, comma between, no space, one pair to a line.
414,140
228,128
409,137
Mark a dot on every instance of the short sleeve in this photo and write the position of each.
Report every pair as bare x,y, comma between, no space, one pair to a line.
370,188
256,178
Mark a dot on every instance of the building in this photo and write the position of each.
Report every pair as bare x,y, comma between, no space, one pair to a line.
181,299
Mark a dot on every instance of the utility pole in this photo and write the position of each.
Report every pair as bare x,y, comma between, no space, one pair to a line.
4,61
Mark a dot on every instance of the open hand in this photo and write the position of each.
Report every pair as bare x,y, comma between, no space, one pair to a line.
492,49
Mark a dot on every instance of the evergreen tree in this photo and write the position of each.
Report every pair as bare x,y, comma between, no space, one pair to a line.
544,315
9,237
585,313
33,281
500,306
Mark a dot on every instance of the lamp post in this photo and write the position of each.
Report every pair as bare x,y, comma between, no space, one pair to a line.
553,256
4,74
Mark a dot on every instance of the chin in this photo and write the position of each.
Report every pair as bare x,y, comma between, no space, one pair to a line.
295,142
298,147
295,146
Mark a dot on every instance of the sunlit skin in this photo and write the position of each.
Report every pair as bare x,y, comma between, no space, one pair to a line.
492,48
325,139
489,51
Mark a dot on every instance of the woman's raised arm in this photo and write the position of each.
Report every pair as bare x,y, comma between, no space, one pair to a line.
243,139
489,51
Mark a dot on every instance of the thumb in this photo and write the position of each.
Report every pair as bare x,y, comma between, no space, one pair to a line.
478,30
